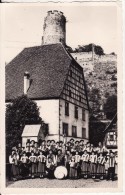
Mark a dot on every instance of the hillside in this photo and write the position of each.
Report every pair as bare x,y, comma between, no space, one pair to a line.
101,78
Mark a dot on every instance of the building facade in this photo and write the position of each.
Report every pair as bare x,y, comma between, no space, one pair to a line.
50,76
111,134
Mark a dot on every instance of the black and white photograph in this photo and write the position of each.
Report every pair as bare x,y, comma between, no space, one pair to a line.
61,95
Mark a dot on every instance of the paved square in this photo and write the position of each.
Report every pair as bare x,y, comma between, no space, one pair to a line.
54,183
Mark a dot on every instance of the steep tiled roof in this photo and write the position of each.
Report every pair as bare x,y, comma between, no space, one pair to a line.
48,66
31,130
113,121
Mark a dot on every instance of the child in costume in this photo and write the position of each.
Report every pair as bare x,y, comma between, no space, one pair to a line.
101,166
33,168
85,164
73,169
111,169
41,165
13,160
93,164
24,165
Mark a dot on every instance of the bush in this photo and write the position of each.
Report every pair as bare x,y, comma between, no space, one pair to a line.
19,112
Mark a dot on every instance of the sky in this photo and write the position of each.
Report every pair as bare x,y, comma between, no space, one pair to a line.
23,26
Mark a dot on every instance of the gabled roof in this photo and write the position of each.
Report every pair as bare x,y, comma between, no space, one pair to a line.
31,130
48,66
114,120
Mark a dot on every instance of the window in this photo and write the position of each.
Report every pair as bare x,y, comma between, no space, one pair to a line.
74,131
76,112
70,93
65,129
80,98
83,132
111,137
66,108
71,73
83,114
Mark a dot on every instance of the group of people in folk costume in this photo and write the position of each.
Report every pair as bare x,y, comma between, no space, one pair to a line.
80,160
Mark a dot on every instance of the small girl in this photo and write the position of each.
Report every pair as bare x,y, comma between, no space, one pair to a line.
85,164
13,160
73,169
77,161
41,165
93,164
24,165
101,166
33,168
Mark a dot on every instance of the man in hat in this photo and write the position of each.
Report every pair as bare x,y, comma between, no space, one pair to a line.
111,163
43,147
76,146
81,146
60,145
59,159
72,142
52,156
88,147
27,149
32,143
67,159
48,146
68,146
53,145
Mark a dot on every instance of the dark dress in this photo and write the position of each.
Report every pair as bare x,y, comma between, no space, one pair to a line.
101,166
85,164
73,170
33,168
24,166
41,164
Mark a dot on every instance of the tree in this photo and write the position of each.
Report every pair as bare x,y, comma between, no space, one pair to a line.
96,128
110,107
98,50
113,53
88,48
19,112
94,97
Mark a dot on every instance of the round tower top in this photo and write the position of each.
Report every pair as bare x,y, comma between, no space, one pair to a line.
54,28
55,12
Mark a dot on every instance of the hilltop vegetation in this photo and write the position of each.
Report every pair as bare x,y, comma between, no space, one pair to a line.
100,76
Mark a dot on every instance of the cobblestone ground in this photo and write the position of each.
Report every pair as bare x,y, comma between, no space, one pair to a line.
54,183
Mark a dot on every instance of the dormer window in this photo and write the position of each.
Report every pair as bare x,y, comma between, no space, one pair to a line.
26,82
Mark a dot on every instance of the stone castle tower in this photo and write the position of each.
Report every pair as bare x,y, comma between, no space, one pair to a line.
54,28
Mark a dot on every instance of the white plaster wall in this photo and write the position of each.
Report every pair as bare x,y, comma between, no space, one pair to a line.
49,111
72,121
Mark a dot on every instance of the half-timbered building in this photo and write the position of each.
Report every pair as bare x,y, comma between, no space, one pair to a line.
50,76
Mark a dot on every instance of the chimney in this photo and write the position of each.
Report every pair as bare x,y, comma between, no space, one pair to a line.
26,82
